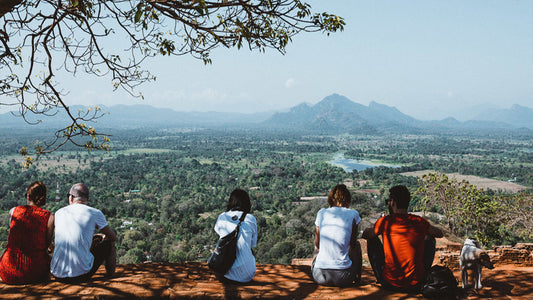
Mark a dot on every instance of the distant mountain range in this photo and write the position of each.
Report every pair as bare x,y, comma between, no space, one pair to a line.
334,114
136,116
517,116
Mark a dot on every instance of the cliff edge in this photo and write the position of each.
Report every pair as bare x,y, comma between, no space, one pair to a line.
510,279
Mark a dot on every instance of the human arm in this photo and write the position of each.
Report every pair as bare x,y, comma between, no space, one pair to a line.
318,222
254,232
353,237
101,224
109,234
356,254
317,239
50,230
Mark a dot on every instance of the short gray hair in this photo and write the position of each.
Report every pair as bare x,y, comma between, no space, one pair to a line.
80,191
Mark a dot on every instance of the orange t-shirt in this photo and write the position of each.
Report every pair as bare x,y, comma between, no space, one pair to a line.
403,243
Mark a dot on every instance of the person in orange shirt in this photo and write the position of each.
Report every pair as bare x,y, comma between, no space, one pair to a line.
408,248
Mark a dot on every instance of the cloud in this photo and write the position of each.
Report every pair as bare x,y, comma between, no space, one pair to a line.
290,83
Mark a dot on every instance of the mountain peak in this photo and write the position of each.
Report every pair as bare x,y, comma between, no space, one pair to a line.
334,100
337,113
518,107
517,115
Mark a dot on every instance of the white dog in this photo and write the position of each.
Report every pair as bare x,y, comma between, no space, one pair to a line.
473,258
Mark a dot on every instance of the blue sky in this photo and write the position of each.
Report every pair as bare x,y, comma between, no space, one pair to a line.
429,58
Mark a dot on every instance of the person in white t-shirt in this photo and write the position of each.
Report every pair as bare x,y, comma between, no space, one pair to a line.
78,252
243,269
339,259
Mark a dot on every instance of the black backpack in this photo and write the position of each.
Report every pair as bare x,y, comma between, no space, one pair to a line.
440,283
225,251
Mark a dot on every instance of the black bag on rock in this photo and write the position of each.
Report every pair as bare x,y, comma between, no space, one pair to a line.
226,251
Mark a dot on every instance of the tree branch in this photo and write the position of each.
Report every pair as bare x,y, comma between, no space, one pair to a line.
70,35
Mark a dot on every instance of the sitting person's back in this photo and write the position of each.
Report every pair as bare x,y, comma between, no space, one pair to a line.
76,258
338,261
243,269
403,240
408,247
26,258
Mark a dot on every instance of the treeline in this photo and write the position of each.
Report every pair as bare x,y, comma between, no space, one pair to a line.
500,158
471,212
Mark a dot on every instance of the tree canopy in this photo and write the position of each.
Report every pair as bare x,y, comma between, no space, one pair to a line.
39,39
468,209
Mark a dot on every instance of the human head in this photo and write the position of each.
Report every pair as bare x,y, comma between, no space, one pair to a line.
401,196
36,193
79,192
239,200
339,196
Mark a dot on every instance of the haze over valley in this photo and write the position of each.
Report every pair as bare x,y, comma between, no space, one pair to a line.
333,114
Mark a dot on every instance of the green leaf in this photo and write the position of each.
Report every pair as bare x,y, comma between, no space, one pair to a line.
138,15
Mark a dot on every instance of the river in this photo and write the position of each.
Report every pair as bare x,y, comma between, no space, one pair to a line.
349,164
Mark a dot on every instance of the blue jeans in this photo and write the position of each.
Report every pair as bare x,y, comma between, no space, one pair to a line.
376,255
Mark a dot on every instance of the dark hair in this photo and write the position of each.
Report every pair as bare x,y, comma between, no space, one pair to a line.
239,200
339,194
36,193
401,195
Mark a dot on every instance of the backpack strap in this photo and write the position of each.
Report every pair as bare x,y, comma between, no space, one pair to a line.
242,217
240,221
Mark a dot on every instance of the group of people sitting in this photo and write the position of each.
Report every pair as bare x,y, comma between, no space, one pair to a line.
400,259
69,235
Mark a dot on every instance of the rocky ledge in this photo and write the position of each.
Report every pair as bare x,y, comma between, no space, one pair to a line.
511,279
193,280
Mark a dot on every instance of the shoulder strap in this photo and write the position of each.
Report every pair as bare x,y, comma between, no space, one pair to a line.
242,217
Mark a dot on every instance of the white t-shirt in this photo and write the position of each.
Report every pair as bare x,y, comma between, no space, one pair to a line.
335,228
243,270
75,226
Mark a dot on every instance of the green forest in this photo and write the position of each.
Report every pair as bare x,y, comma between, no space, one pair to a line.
161,191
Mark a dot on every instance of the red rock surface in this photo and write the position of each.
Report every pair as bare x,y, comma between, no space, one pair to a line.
194,280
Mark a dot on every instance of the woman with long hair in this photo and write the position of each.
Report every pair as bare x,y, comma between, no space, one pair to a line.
31,227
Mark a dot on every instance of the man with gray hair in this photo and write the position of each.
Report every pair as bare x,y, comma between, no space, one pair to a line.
78,252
